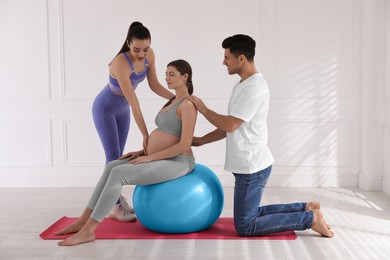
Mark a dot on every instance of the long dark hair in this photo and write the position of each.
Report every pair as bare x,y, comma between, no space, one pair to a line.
183,67
136,31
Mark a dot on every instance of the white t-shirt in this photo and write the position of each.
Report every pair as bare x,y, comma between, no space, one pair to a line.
246,148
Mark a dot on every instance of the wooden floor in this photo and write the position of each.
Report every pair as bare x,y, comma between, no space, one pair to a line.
361,221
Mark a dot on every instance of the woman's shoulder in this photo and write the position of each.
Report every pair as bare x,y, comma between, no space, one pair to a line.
151,51
118,59
122,58
187,105
120,63
150,55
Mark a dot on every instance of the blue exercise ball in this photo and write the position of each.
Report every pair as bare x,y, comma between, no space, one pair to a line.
184,205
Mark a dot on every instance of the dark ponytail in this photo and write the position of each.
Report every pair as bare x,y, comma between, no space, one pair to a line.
136,31
190,87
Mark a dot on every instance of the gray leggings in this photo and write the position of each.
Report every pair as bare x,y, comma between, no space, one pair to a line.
118,173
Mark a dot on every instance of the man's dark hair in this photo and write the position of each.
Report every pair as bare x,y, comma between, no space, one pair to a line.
240,44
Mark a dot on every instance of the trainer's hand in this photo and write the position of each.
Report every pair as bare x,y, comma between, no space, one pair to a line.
145,144
200,106
196,141
131,155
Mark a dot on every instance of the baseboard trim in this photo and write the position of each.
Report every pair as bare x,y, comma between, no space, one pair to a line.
88,179
386,185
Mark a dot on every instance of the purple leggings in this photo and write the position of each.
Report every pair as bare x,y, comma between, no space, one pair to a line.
111,115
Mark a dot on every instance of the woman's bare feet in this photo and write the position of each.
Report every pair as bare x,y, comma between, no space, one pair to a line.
83,236
313,205
72,228
319,224
118,212
122,211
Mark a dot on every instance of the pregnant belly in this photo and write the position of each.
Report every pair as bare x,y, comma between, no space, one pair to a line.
158,140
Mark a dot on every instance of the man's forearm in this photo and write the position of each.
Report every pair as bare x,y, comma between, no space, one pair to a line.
219,121
214,136
224,123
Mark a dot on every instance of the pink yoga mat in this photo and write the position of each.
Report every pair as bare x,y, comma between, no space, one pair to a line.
113,229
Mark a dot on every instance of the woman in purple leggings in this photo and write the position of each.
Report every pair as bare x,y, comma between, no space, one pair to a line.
111,112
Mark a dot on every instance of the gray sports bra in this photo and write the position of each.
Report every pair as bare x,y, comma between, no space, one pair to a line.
168,122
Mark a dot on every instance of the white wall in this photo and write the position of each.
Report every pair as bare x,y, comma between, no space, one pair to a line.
54,62
313,72
386,99
372,99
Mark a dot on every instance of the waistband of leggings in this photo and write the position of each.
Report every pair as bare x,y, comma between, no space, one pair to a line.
114,89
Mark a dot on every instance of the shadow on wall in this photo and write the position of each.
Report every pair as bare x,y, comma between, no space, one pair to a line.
310,130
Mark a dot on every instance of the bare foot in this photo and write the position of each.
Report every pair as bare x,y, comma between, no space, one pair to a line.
122,213
312,205
72,228
319,224
83,236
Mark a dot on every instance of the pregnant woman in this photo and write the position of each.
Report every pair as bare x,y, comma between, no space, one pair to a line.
168,156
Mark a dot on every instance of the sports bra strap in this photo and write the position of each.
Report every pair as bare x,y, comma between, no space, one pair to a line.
129,61
131,64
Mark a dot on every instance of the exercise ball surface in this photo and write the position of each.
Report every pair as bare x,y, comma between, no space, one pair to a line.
184,205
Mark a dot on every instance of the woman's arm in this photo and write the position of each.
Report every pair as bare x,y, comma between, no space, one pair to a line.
153,82
188,114
121,70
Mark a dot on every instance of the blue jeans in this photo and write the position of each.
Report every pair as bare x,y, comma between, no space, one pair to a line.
252,220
